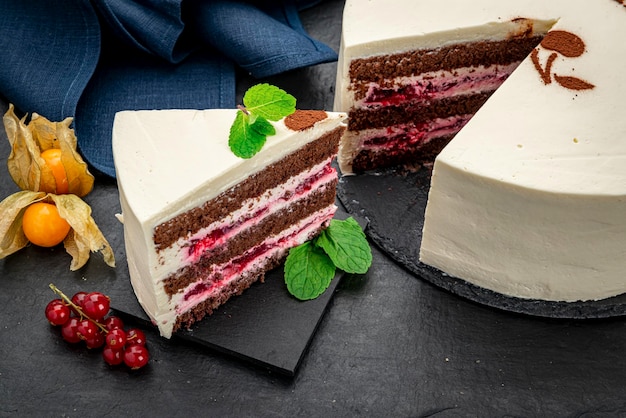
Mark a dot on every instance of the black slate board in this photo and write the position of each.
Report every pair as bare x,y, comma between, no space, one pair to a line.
394,201
265,325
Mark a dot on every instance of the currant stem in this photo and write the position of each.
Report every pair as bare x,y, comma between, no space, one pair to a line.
76,307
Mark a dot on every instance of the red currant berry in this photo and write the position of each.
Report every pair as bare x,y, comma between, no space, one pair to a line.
116,338
113,356
136,356
113,322
96,305
96,341
78,299
87,329
69,330
135,336
57,312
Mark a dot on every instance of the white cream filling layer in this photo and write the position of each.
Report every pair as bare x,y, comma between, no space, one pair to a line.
421,134
437,85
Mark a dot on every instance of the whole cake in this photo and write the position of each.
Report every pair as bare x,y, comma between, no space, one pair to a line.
202,224
529,197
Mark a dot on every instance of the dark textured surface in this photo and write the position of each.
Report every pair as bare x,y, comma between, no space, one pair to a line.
390,344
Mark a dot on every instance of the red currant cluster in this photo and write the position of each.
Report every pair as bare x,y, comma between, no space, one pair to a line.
84,318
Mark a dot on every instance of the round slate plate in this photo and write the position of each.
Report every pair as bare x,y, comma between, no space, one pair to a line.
393,203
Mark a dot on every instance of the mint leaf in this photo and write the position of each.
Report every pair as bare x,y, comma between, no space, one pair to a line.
308,271
262,103
346,245
263,127
269,101
244,140
310,267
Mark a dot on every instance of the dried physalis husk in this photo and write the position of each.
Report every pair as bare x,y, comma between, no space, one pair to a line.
84,236
32,174
28,141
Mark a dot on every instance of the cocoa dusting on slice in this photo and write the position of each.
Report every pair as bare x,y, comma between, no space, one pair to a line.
304,119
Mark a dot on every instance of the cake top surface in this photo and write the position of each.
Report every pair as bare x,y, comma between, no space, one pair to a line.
383,26
557,123
164,158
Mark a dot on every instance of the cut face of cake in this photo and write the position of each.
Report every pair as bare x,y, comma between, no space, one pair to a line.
410,86
202,224
529,198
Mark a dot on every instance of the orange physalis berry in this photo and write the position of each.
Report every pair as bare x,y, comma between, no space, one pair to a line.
52,157
43,225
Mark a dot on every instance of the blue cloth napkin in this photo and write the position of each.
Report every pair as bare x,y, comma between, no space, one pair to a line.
90,59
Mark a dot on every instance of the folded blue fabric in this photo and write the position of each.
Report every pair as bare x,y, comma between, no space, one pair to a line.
264,41
48,52
90,59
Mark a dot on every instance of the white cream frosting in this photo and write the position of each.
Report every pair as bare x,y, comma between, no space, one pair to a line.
169,161
529,199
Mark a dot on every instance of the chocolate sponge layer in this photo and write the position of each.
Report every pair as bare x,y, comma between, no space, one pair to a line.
473,54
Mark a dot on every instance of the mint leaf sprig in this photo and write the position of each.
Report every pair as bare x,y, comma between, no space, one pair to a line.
310,267
261,103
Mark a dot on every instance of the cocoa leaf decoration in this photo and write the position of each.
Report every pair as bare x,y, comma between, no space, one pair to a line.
545,74
570,46
573,83
563,42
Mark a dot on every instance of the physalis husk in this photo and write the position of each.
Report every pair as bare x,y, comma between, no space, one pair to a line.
28,141
36,179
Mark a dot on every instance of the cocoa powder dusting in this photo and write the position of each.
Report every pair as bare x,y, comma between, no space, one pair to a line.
304,119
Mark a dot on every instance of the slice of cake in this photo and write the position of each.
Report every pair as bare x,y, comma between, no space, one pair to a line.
202,224
529,198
